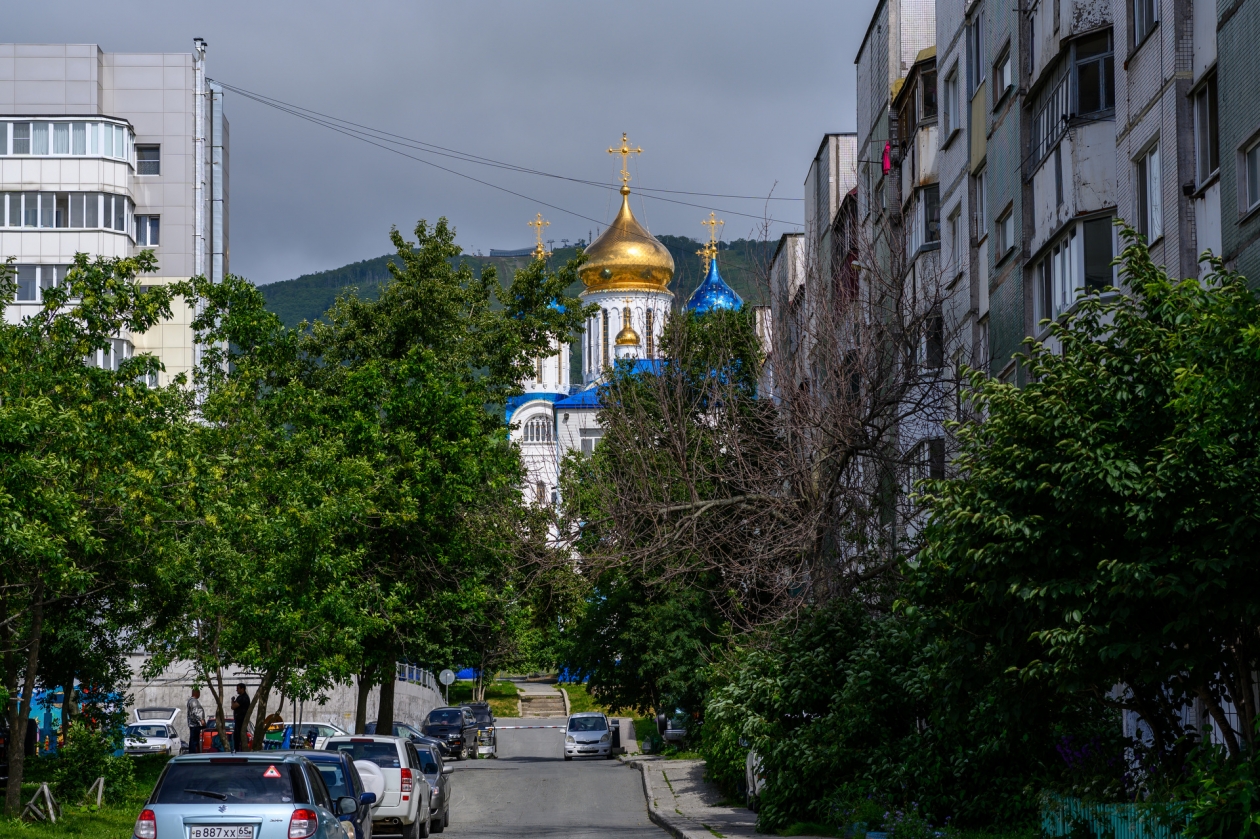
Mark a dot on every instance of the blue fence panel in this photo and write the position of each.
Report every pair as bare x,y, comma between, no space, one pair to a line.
1065,817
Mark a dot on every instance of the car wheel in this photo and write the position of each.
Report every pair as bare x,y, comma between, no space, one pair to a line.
753,803
437,824
420,828
568,757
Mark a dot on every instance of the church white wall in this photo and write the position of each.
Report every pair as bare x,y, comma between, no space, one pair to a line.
599,340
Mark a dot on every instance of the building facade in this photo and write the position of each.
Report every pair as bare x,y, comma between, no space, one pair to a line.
109,154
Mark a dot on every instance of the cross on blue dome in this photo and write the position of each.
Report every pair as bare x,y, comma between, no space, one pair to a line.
713,293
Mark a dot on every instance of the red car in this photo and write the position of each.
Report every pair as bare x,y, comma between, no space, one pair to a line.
209,736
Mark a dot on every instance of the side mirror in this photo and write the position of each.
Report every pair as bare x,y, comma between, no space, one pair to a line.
448,770
367,798
347,806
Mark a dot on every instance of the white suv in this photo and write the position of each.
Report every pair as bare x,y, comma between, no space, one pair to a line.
403,809
587,734
153,732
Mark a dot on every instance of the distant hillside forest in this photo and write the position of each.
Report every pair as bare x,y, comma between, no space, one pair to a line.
743,263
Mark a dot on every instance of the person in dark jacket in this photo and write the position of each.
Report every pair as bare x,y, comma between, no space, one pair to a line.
240,717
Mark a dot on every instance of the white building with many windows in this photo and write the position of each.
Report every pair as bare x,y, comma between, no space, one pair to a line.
109,154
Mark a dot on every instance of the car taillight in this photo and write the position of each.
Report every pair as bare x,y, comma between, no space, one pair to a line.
146,825
406,781
303,823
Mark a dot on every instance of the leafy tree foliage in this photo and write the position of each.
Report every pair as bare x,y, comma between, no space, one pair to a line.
1102,531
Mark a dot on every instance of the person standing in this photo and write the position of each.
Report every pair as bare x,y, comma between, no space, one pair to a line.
240,718
196,722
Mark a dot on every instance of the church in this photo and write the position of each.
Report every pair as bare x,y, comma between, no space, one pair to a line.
627,274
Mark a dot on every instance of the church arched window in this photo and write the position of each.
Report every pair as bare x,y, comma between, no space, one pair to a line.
538,430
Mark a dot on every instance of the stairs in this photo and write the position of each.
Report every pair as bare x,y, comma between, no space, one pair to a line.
542,705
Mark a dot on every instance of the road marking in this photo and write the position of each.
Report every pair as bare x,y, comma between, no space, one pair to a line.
501,727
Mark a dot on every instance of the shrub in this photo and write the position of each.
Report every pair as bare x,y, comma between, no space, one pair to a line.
86,756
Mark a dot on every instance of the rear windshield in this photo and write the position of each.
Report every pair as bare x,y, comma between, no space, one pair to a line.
252,782
146,730
447,717
401,729
384,755
587,724
335,779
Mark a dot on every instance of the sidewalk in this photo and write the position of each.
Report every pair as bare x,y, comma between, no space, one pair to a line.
684,804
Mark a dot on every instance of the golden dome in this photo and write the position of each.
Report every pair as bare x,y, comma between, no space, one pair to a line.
627,337
625,257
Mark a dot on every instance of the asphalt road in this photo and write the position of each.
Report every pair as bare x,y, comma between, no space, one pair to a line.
531,790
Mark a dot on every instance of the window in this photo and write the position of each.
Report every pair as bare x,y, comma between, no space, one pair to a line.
976,62
928,460
955,239
603,349
1002,77
1206,132
148,160
934,340
33,279
1058,277
928,85
1093,73
982,202
21,138
4,138
650,337
1097,234
932,213
71,210
1058,175
1150,205
1005,232
147,235
1251,177
1144,18
540,493
39,138
538,430
950,111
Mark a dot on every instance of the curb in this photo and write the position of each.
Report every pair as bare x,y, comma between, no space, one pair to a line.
669,822
564,693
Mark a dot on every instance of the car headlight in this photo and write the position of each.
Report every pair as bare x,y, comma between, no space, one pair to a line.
570,739
433,788
607,736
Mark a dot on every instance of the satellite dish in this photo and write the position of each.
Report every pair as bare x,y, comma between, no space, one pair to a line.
446,677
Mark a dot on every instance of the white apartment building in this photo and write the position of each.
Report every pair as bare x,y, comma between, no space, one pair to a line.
109,154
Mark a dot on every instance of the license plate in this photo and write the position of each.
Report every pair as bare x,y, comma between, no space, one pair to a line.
221,831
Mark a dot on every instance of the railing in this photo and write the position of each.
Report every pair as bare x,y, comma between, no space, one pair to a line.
1050,122
416,675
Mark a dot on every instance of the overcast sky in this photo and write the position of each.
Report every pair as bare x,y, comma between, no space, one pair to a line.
724,97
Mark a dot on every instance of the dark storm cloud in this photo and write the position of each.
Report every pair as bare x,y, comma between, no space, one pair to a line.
729,97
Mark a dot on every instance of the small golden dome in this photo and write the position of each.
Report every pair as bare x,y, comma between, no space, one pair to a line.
625,257
627,337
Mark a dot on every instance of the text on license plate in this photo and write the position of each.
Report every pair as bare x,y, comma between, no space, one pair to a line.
221,831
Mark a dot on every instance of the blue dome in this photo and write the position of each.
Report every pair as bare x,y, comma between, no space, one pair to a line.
713,293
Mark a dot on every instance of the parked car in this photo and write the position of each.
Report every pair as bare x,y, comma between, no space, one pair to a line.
210,735
245,796
455,729
587,734
153,732
487,741
438,776
343,780
402,729
404,808
307,735
674,729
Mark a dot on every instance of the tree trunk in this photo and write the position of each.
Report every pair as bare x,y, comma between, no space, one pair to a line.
385,714
360,710
20,711
260,706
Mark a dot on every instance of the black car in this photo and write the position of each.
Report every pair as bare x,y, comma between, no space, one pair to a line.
342,779
455,729
438,777
401,729
487,740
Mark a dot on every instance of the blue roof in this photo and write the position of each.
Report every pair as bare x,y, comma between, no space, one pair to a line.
514,403
588,398
713,293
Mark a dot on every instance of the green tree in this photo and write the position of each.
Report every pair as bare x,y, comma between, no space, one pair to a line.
88,459
1102,530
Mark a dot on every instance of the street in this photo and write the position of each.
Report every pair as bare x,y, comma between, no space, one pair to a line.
530,790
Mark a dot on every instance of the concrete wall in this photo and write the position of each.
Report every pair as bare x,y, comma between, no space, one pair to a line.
412,700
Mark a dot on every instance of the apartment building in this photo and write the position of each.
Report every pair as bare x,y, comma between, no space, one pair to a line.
1232,135
109,154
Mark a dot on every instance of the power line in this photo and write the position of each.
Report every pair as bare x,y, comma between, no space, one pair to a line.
382,140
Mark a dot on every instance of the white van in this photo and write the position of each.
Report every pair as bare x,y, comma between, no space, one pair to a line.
403,809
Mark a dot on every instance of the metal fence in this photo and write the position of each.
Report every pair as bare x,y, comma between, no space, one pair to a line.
1071,817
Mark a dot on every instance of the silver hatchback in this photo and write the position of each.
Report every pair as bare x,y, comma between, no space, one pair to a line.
241,796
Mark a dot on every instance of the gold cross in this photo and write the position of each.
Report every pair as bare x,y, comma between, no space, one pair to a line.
709,251
625,151
538,224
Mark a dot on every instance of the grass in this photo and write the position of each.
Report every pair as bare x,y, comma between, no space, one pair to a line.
113,821
501,695
809,829
580,699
